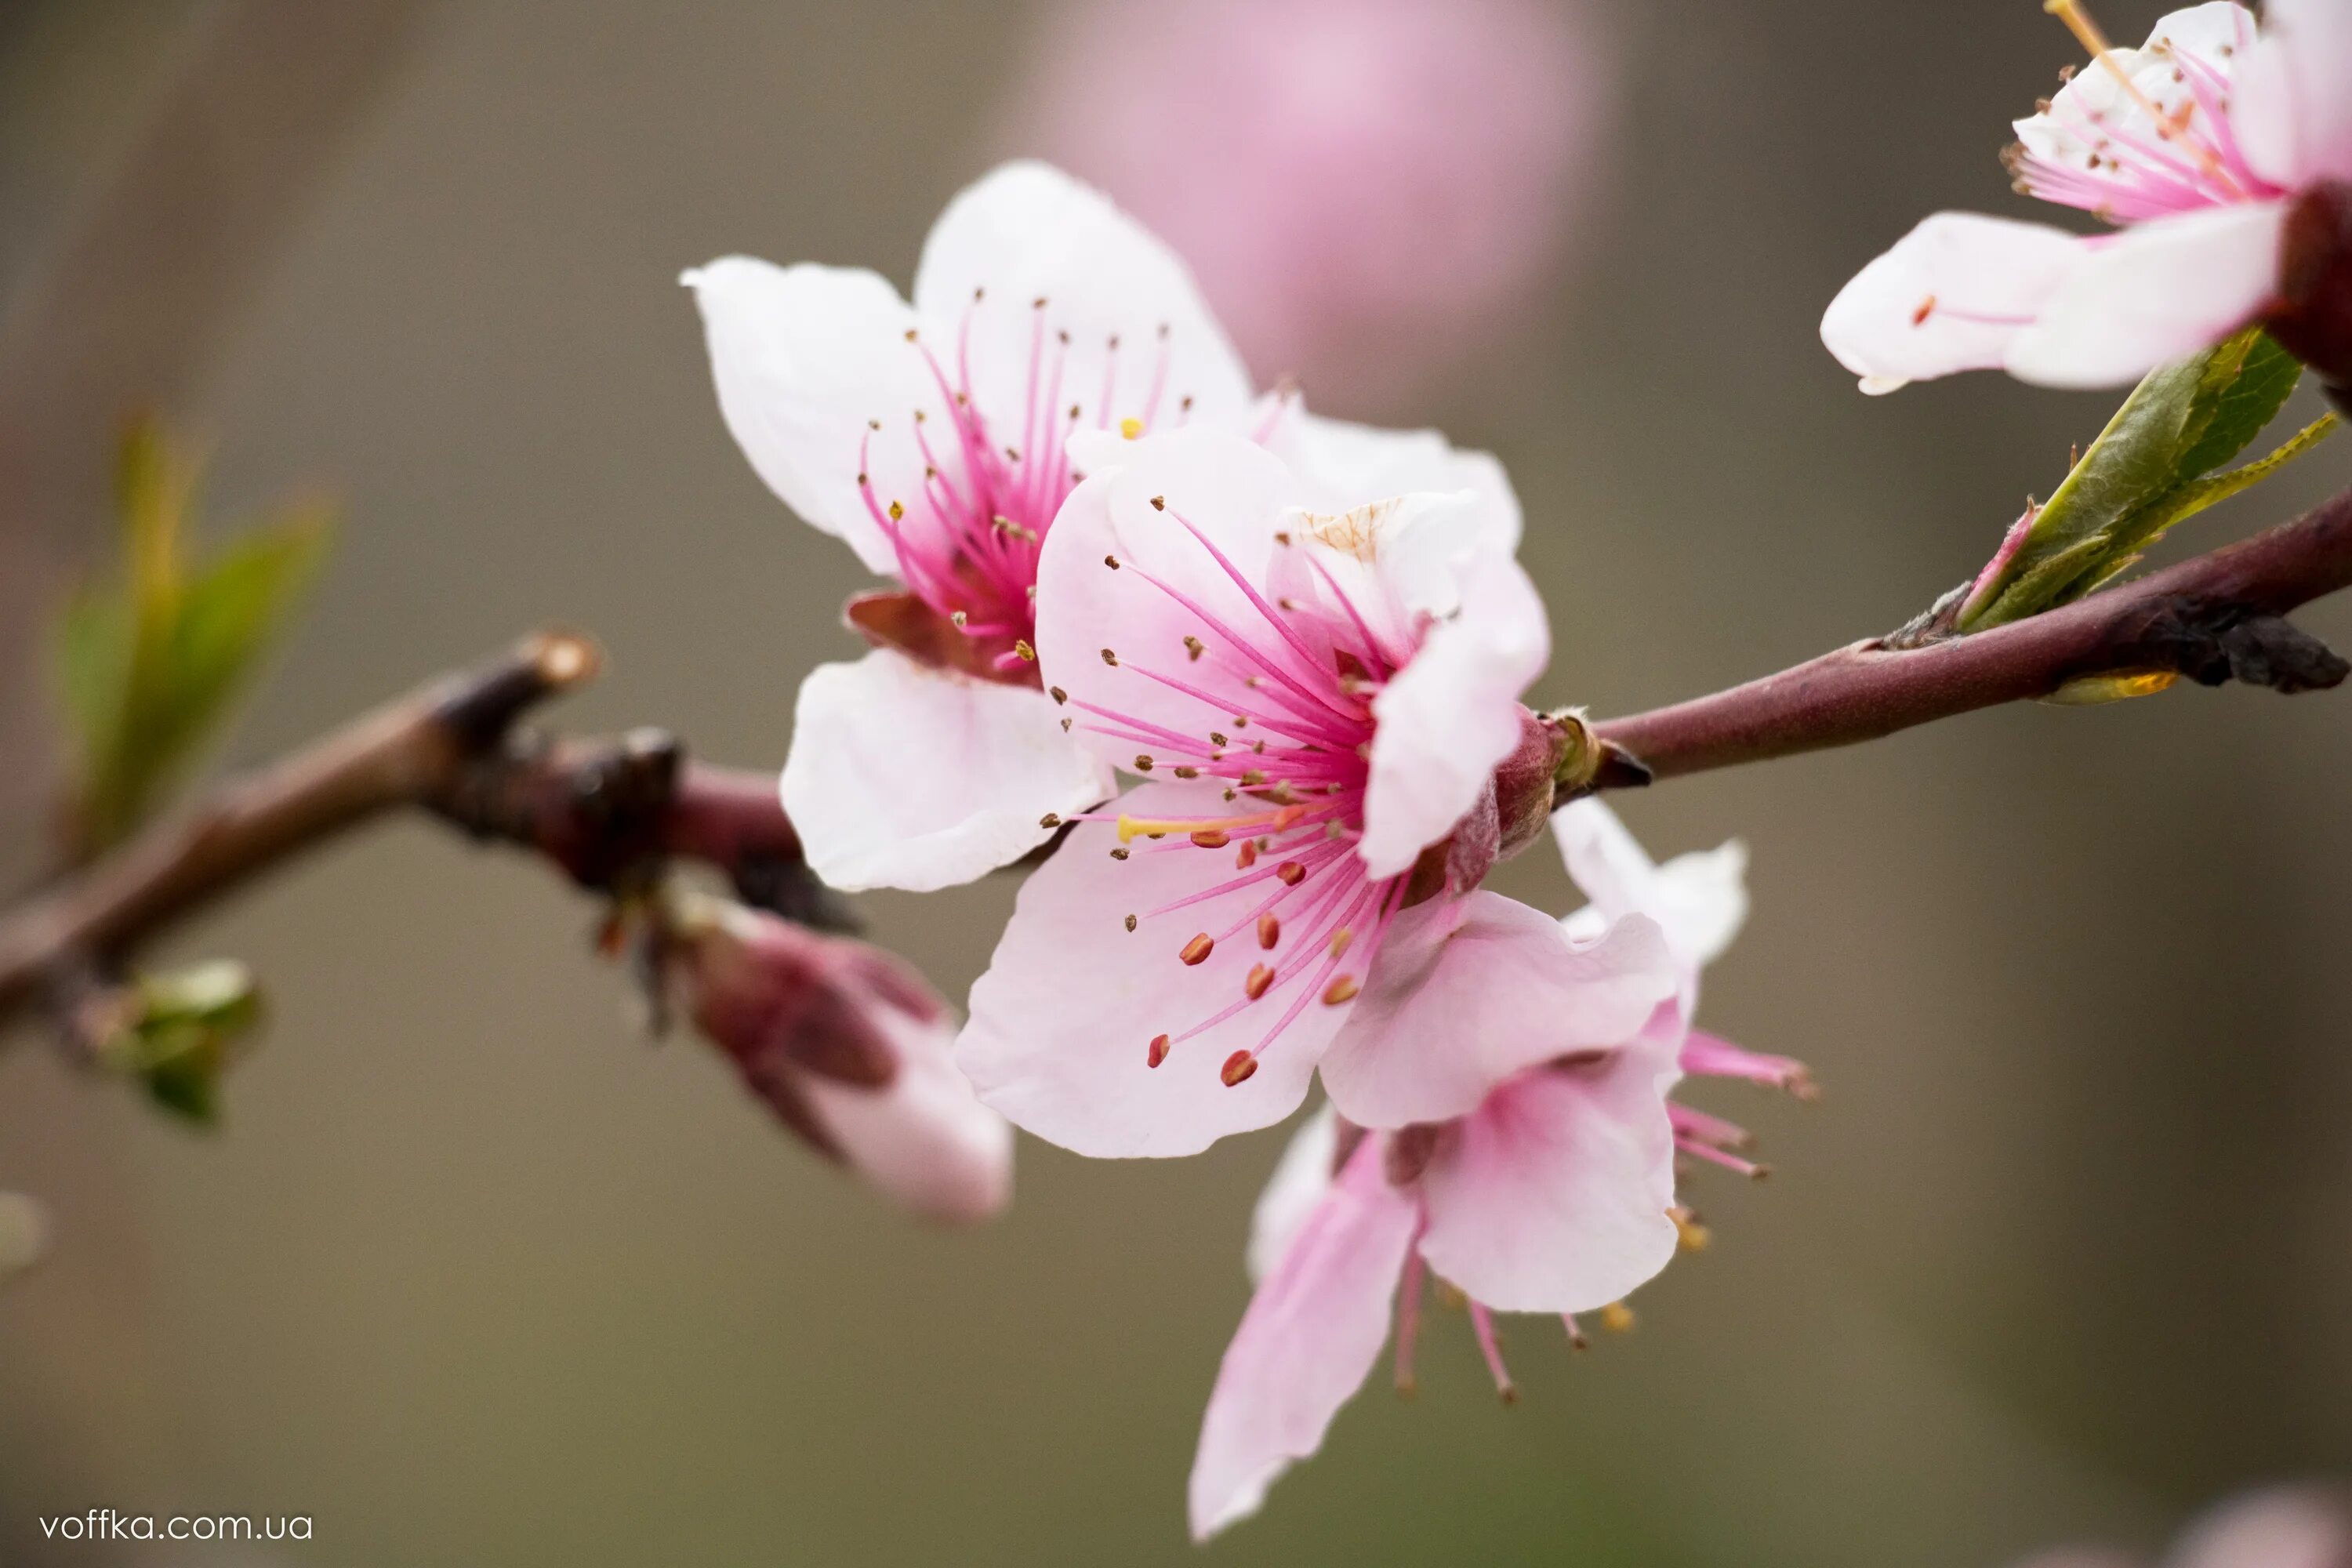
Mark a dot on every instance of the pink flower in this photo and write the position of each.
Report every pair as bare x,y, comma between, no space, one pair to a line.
1372,192
1555,1195
1325,705
2199,146
933,437
849,1047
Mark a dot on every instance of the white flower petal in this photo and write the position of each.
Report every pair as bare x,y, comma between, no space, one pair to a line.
1342,465
1699,900
804,357
1452,715
1952,295
2293,104
1028,232
2164,289
902,776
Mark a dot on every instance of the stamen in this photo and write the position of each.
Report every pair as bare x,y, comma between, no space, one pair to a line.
1408,1327
1196,952
1260,977
2087,32
1481,1323
1158,1052
1237,1068
1340,991
1269,931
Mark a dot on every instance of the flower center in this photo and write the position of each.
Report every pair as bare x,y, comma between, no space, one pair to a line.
1285,725
2177,152
967,544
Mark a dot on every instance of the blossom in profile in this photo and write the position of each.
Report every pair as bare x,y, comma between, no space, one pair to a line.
848,1047
933,437
1555,1195
2219,151
1323,709
1372,192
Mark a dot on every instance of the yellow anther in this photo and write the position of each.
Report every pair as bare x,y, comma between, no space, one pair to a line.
1131,427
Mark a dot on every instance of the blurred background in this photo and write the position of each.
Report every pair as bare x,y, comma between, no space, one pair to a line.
471,1273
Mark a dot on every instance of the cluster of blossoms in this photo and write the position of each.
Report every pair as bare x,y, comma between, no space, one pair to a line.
1303,645
1305,642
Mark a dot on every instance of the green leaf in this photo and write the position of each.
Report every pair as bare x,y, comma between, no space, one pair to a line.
148,668
2149,469
178,1031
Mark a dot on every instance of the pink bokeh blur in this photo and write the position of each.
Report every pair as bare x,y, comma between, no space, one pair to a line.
1368,190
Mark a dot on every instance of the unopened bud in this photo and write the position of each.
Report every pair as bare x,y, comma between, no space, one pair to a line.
850,1048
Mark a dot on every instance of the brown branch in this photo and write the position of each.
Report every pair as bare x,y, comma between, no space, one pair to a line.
2212,619
608,813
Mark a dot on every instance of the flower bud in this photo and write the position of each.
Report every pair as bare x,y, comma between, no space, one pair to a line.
849,1047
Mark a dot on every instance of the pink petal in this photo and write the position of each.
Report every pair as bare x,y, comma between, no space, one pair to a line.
1230,488
925,1140
804,357
1452,714
2293,110
1062,1022
1469,992
1302,1177
1312,1332
2164,289
1950,296
1552,1195
904,776
1028,232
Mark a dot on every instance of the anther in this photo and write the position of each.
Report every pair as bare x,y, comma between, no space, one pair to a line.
1193,650
1143,761
1023,651
1237,1068
1927,309
1110,658
1339,941
1159,1051
1260,977
1131,427
1340,991
1121,853
1038,304
1269,929
1111,561
1198,950
958,618
1188,771
1051,819
1255,777
898,512
1216,740
911,334
1130,923
1248,855
1159,504
1617,1318
1210,838
1291,872
1057,694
